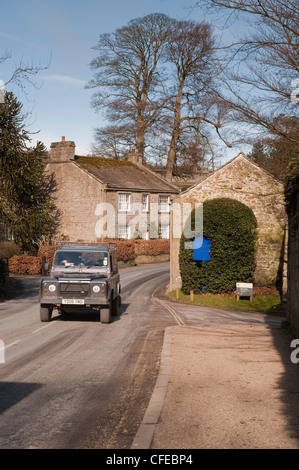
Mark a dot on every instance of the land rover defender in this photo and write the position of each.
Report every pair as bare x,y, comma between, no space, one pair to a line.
82,277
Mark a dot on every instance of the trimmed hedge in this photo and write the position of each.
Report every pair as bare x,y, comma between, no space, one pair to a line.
25,265
153,247
127,250
231,227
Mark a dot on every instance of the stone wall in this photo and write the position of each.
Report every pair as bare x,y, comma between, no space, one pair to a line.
77,206
246,182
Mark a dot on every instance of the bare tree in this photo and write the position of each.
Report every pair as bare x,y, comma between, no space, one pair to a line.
191,103
275,153
113,142
125,73
20,75
260,78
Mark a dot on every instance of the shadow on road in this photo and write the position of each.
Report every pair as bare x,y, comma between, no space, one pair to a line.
289,380
13,392
88,316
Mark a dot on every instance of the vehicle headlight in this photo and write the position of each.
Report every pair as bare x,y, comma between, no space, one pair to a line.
96,289
52,287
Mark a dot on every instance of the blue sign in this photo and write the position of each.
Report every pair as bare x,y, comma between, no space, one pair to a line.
201,249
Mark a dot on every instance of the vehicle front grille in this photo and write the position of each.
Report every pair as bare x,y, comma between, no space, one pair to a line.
72,289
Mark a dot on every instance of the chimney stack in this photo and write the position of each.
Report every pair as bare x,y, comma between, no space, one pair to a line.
62,152
135,158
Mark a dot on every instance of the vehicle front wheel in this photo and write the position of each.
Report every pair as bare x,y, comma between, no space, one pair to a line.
106,313
45,312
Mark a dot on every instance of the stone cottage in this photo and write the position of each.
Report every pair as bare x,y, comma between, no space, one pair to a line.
247,182
102,198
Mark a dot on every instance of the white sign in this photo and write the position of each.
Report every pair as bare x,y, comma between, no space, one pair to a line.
246,285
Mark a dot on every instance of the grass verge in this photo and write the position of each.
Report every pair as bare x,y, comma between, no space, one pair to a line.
269,303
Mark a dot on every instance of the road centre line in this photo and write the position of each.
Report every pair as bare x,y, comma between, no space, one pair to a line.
6,346
43,327
132,275
17,341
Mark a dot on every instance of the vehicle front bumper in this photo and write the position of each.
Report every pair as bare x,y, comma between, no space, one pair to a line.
74,301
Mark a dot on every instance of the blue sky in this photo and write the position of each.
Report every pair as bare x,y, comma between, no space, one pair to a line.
59,35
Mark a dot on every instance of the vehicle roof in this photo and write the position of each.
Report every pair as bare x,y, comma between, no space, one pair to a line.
84,248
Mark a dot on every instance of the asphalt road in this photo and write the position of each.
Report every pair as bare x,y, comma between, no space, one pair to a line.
74,382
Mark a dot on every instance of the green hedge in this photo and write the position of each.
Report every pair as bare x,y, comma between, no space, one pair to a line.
231,227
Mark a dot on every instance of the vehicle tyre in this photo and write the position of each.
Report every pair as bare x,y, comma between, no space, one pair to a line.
45,312
115,305
105,314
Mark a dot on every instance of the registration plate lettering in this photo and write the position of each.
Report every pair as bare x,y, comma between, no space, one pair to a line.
73,301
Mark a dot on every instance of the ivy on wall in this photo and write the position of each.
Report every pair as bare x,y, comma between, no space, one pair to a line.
231,227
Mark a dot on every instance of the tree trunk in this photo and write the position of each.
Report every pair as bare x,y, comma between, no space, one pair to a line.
174,135
140,138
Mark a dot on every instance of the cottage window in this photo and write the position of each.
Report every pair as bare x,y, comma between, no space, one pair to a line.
144,235
164,231
163,203
145,198
123,231
124,202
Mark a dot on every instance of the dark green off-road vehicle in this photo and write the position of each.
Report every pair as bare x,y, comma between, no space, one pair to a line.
82,277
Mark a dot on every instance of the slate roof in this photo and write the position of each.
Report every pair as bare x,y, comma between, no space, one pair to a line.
124,175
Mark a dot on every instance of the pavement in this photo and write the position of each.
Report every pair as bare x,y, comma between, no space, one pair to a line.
224,386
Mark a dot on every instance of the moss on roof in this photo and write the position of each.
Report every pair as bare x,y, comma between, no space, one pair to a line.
99,162
124,174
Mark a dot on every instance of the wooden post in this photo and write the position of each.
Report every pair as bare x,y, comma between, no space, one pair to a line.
238,298
191,296
177,293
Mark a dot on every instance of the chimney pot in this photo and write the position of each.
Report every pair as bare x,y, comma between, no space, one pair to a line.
63,139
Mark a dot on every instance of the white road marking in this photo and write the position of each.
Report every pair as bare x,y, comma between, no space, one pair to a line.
6,346
43,327
175,315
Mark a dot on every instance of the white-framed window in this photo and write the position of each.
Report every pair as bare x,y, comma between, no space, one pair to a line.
124,202
163,203
145,199
163,230
145,235
123,231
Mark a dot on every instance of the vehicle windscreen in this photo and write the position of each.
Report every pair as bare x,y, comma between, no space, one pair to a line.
65,259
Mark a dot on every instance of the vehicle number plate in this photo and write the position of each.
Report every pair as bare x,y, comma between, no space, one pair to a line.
73,301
